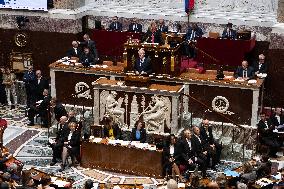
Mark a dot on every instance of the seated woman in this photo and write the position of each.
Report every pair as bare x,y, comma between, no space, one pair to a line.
111,129
71,145
138,132
4,156
171,158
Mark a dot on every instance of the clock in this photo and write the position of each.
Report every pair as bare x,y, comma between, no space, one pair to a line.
21,39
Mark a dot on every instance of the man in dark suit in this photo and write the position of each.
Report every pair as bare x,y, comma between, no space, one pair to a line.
162,27
212,146
135,26
142,64
261,65
187,155
115,24
71,116
58,109
228,32
87,58
266,136
42,109
193,33
245,71
41,84
91,45
30,85
153,35
74,51
199,149
277,118
57,145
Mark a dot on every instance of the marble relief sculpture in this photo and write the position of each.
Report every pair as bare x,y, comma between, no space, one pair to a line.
113,108
154,117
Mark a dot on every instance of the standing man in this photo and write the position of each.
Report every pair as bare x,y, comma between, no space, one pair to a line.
193,33
91,46
9,80
143,64
115,25
41,84
30,84
228,32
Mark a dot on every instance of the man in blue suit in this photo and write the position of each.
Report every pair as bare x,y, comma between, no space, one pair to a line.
143,64
246,72
193,33
30,85
115,25
135,26
229,33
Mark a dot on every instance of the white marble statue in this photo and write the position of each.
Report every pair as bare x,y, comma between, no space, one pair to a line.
113,108
154,118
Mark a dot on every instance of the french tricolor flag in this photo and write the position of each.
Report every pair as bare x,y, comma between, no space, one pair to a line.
188,5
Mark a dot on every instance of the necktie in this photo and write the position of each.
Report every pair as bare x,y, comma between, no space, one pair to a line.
75,51
116,26
245,74
153,38
141,61
229,33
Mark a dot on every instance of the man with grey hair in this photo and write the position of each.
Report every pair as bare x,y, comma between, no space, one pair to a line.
75,51
41,84
143,64
260,66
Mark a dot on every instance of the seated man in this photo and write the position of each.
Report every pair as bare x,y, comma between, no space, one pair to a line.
266,136
135,26
244,72
228,32
42,109
193,33
153,35
277,118
58,109
188,156
74,51
115,25
213,147
200,151
260,66
87,58
143,65
57,144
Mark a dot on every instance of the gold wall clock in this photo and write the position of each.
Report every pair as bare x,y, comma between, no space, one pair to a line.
21,39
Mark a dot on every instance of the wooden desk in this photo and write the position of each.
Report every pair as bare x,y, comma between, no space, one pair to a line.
122,159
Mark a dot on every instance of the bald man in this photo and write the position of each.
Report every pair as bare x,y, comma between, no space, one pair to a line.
244,72
75,51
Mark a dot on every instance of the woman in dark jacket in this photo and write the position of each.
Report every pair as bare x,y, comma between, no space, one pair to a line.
171,156
111,129
138,132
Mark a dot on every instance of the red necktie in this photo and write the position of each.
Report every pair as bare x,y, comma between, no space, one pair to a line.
152,40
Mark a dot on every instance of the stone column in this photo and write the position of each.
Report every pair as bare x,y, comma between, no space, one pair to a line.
175,114
280,11
52,81
96,110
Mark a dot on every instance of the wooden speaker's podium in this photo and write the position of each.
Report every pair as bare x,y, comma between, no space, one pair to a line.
164,59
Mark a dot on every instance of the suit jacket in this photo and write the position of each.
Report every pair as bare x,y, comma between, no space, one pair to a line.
197,146
71,53
116,132
239,72
167,155
186,152
146,66
275,121
61,131
92,46
262,69
233,34
189,34
138,28
157,37
75,138
263,132
30,80
207,138
87,59
142,135
39,87
115,26
71,119
163,28
43,107
59,111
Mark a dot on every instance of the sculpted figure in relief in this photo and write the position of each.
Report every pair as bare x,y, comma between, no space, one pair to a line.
113,108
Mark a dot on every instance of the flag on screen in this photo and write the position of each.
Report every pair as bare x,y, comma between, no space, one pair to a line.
189,5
